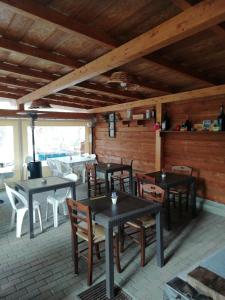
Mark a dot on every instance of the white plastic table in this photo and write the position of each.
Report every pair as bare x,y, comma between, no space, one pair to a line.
78,160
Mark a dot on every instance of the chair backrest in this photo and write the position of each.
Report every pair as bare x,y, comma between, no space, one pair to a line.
53,167
13,195
182,170
148,190
91,172
80,218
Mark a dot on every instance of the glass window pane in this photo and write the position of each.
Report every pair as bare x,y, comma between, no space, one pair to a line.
6,145
56,141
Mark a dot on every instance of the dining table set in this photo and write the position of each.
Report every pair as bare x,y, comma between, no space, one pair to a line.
113,215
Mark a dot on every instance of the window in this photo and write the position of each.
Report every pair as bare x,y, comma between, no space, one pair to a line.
56,141
6,145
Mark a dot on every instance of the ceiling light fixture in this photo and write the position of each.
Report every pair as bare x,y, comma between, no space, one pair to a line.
118,80
40,103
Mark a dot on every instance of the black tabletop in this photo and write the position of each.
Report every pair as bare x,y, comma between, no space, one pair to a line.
171,179
37,183
127,206
111,167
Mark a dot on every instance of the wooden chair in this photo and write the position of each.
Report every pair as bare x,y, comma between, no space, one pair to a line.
93,182
123,175
181,191
87,231
149,191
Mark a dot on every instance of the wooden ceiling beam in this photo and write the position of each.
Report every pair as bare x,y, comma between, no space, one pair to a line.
47,115
37,52
206,93
18,92
47,77
35,10
217,29
193,20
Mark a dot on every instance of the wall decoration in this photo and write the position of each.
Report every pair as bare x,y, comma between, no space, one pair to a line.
112,125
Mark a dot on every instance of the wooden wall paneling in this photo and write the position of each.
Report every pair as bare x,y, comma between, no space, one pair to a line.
134,142
204,151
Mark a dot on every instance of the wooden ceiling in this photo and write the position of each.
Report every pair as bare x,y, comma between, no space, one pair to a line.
43,40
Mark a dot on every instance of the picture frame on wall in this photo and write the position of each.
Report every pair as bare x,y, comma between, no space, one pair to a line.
112,125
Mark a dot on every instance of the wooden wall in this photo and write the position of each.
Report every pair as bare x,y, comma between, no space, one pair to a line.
205,152
135,142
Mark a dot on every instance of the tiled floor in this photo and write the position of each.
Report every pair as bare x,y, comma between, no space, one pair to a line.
41,268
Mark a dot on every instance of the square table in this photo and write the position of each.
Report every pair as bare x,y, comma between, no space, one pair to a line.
110,168
108,215
172,180
35,186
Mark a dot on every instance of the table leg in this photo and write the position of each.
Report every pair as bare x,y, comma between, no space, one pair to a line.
193,198
73,190
159,240
167,204
30,211
109,262
131,181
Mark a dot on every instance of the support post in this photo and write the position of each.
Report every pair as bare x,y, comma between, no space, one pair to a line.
158,142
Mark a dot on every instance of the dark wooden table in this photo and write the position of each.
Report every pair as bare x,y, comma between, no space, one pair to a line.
128,207
35,186
173,180
110,168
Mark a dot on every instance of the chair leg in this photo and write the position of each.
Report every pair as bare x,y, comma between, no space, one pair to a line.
75,252
34,216
180,203
20,217
65,211
46,216
187,201
40,219
117,254
97,251
90,263
12,219
121,238
142,244
55,214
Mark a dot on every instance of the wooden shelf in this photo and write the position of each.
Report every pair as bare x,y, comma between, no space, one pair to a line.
192,132
140,122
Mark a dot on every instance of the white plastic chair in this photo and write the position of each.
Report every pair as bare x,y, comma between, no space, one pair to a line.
52,164
60,199
20,209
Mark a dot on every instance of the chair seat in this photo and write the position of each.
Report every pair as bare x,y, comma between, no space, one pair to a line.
120,176
98,181
21,206
146,221
58,198
179,189
98,232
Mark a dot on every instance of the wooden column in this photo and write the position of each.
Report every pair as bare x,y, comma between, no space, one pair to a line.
158,142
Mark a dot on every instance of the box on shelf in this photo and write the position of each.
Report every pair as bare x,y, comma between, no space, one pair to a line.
138,117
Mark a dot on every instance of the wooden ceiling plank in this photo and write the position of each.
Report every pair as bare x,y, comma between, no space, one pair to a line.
39,11
34,10
193,20
208,93
93,88
17,92
75,93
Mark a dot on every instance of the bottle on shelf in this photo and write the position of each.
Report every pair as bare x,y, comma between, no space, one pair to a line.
166,122
221,118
